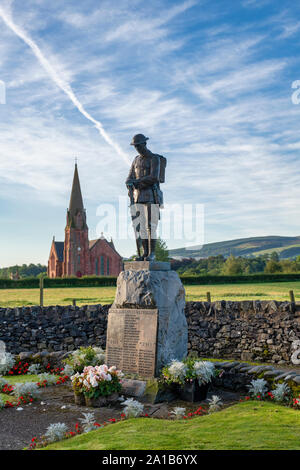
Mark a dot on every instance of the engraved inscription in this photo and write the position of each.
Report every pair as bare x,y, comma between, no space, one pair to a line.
131,340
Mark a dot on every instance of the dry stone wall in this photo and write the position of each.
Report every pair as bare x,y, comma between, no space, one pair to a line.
247,331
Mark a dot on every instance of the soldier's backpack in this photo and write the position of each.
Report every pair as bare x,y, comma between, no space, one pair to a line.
163,164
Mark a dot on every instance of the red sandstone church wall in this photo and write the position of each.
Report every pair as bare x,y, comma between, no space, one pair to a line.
76,261
102,249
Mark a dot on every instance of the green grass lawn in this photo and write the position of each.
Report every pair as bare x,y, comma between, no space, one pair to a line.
6,397
105,295
13,379
245,426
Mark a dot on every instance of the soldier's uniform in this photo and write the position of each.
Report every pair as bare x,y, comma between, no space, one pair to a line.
147,198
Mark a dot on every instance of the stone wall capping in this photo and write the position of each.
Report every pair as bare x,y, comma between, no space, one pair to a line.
229,365
289,376
272,373
254,370
246,369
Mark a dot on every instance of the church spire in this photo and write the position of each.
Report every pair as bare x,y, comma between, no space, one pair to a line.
76,202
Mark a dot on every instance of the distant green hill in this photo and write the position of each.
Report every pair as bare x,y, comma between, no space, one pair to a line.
286,247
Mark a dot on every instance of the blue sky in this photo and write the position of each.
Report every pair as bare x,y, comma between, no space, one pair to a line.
208,81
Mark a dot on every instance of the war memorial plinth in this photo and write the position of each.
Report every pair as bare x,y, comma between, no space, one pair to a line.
147,327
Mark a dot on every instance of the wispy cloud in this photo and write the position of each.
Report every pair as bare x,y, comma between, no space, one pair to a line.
210,85
58,79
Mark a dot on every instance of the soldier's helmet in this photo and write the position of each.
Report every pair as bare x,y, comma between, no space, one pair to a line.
139,139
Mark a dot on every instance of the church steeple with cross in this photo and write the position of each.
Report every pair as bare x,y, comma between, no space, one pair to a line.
77,255
76,248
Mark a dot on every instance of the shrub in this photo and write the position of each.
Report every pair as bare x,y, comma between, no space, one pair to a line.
258,388
2,403
34,369
176,371
68,370
133,408
3,382
85,356
49,378
88,422
178,412
26,390
56,432
281,392
215,404
6,363
187,370
204,371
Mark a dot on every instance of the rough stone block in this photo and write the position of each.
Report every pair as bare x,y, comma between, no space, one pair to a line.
161,290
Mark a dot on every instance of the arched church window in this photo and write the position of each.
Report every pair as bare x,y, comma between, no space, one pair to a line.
102,265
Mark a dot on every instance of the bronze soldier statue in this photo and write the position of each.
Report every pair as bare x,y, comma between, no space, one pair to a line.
146,173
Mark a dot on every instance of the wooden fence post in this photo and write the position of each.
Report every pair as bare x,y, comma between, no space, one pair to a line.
208,297
292,297
74,302
42,291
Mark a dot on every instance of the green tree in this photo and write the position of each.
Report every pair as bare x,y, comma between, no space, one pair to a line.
273,267
274,256
233,266
161,250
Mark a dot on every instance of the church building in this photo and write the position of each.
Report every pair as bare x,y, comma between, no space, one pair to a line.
77,255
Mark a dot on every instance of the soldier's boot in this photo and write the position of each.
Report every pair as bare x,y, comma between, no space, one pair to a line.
145,249
139,256
152,243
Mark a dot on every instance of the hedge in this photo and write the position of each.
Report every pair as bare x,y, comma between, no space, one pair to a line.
34,283
247,278
100,281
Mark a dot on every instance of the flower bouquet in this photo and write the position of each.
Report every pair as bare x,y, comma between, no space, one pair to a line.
85,356
99,385
77,384
192,376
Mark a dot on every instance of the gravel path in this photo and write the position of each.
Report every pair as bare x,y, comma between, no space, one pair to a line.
17,428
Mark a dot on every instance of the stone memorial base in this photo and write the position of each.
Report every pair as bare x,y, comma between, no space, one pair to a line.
149,391
147,327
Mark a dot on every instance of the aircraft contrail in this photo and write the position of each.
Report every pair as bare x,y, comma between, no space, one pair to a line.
65,87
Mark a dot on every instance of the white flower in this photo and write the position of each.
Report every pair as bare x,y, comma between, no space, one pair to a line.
34,369
204,371
178,369
215,404
88,422
27,389
6,363
133,408
178,412
281,392
56,432
258,387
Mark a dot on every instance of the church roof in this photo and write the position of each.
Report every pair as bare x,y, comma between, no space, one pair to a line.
59,247
76,201
92,243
